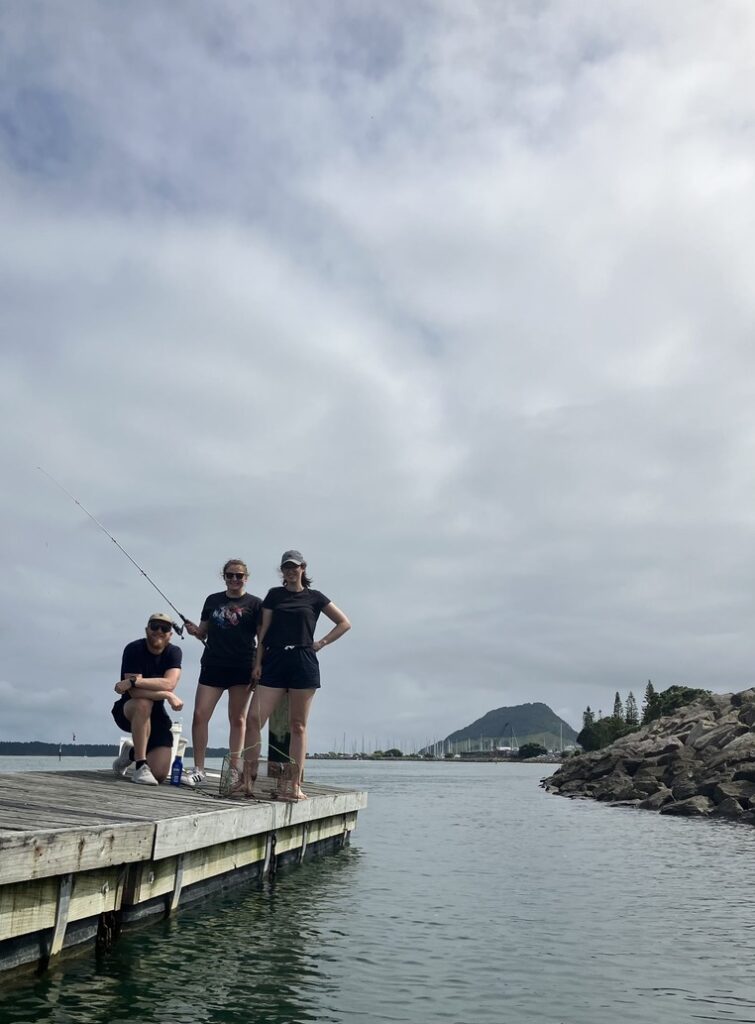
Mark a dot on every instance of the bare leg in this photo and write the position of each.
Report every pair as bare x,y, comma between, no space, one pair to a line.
159,762
205,703
299,704
238,706
138,711
263,704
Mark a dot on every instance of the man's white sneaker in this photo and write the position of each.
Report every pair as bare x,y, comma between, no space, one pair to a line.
144,776
198,776
187,780
123,761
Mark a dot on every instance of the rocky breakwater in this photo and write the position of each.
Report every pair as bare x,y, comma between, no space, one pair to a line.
700,761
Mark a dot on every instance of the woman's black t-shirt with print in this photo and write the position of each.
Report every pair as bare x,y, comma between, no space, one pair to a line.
232,624
295,616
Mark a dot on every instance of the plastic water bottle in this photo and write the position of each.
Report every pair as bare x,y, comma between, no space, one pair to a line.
176,771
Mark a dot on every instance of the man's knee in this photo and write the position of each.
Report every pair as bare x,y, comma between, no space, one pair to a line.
158,760
138,709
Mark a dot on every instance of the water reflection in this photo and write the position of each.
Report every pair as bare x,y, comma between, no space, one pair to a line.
256,956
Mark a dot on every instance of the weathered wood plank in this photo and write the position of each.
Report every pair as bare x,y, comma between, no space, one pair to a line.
65,816
157,879
27,907
291,838
178,835
56,822
30,855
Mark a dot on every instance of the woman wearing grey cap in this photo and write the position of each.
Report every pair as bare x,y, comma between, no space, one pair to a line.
286,662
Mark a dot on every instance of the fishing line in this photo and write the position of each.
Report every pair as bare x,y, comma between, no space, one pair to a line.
182,617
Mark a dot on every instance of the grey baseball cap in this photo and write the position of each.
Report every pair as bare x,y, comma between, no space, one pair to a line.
292,556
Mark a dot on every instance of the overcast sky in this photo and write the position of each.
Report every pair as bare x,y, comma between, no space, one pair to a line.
457,298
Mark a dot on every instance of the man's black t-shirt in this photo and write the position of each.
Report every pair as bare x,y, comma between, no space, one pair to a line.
294,616
138,658
232,624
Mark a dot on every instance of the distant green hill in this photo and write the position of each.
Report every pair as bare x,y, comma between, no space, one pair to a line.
524,723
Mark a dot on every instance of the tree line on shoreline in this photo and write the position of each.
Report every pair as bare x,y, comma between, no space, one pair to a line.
601,731
38,748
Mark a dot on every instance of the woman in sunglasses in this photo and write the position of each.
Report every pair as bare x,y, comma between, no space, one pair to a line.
228,624
286,662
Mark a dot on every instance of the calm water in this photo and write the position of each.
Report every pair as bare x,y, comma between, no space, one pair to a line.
469,896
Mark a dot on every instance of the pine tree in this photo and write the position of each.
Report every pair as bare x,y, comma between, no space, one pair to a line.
648,702
588,717
618,707
631,715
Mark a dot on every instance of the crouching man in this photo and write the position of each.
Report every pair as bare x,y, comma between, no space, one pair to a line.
150,670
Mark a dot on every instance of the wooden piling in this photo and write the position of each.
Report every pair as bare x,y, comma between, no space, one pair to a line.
278,739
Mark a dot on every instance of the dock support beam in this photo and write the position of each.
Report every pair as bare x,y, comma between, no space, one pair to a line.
177,884
61,914
304,839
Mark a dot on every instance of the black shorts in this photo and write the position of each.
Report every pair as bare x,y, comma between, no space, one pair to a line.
223,676
160,734
291,668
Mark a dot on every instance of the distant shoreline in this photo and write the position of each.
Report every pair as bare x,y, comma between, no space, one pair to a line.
36,748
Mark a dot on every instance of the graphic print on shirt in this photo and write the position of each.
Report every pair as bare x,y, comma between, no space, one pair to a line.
231,629
227,615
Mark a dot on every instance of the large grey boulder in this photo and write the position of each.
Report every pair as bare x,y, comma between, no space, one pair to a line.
658,799
684,790
695,807
742,748
729,808
733,790
719,736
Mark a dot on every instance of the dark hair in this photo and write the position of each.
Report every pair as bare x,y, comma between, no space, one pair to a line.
306,582
234,561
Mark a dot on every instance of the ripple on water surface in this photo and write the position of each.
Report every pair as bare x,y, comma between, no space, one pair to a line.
468,895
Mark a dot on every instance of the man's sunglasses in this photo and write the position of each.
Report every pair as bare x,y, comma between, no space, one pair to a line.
235,575
159,627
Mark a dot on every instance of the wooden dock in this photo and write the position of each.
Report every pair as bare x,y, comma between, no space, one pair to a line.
83,854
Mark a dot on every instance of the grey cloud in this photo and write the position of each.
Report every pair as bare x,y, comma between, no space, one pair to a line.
456,300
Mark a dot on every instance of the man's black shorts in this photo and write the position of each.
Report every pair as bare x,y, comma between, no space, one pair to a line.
160,735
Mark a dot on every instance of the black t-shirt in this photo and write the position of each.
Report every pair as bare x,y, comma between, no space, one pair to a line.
294,616
232,624
139,659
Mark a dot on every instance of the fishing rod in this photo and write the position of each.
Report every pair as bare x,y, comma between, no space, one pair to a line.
182,617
